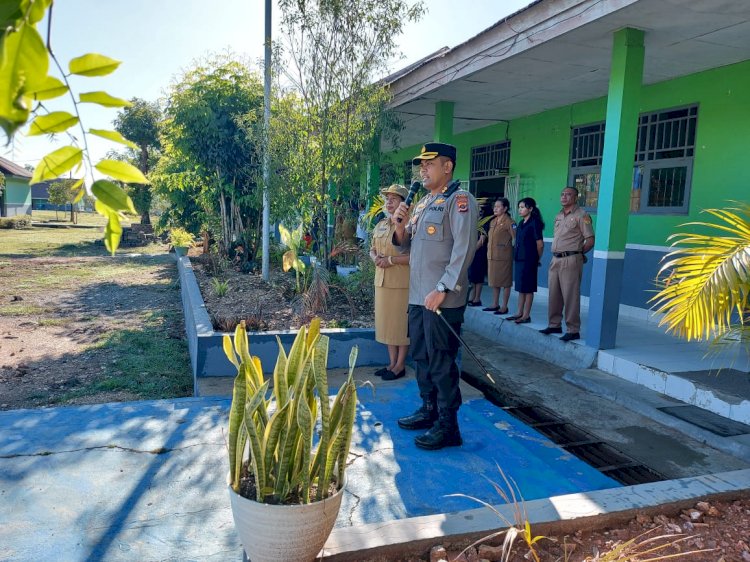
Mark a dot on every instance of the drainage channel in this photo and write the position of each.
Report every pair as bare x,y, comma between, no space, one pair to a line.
597,453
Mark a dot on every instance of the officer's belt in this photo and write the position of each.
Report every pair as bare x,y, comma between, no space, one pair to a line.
565,254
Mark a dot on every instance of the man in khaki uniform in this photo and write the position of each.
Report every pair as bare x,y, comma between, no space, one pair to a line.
441,235
573,237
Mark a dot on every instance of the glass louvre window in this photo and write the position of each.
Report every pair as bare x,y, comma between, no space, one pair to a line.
587,184
665,147
490,161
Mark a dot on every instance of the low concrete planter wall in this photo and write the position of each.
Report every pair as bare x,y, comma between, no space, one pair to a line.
206,346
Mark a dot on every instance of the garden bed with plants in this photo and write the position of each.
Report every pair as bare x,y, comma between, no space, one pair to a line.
231,296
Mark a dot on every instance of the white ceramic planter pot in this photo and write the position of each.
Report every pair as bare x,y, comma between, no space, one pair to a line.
282,533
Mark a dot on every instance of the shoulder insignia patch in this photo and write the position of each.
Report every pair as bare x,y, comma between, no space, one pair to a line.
587,220
462,202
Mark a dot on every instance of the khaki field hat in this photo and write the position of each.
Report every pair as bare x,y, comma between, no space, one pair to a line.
396,189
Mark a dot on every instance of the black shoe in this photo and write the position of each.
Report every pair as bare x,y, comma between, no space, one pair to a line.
421,419
474,303
570,336
391,376
491,309
440,435
381,372
550,330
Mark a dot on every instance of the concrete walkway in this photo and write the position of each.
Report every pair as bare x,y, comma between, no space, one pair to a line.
146,480
717,381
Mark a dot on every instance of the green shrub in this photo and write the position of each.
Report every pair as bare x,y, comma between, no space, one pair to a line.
181,238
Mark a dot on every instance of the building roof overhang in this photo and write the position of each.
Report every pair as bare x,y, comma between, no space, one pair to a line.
555,53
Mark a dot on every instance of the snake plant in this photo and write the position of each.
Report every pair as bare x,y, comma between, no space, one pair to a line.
292,440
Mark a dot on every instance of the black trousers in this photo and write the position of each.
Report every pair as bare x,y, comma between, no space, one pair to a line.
434,348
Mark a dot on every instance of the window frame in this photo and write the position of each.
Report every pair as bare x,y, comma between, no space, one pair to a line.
647,166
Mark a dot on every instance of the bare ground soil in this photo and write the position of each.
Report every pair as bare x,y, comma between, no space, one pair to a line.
55,348
713,531
82,330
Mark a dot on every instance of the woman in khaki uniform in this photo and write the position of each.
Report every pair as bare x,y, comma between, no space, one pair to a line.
502,234
391,287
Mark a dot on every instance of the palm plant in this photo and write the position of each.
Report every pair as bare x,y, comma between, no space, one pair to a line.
705,281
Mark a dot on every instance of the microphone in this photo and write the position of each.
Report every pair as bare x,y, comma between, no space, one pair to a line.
415,186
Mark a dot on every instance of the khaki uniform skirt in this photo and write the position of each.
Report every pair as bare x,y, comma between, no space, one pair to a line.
391,290
500,252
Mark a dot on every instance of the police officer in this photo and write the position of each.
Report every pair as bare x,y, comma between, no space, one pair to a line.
441,236
572,238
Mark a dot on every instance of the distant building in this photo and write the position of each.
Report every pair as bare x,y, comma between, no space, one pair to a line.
15,197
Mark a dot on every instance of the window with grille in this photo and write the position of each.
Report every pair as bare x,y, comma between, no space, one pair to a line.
662,173
490,161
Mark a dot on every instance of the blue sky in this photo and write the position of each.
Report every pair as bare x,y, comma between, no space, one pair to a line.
157,39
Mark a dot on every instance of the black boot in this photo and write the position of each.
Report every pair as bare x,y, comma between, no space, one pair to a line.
422,418
444,433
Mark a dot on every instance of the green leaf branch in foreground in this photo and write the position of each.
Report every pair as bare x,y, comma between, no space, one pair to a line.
24,80
122,171
103,99
93,64
57,163
55,122
114,136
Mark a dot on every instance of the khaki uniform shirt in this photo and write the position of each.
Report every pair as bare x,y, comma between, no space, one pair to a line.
397,276
442,237
571,230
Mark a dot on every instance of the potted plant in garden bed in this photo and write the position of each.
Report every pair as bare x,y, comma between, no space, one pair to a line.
286,485
181,240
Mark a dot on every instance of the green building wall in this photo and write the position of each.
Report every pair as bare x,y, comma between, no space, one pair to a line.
17,197
540,147
540,152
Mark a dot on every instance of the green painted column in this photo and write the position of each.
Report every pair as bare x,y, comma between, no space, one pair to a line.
616,183
444,121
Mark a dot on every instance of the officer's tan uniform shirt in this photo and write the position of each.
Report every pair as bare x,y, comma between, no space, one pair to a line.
571,230
442,237
397,276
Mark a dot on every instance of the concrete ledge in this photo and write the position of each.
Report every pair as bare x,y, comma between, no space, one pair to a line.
637,398
528,339
732,407
207,356
559,514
